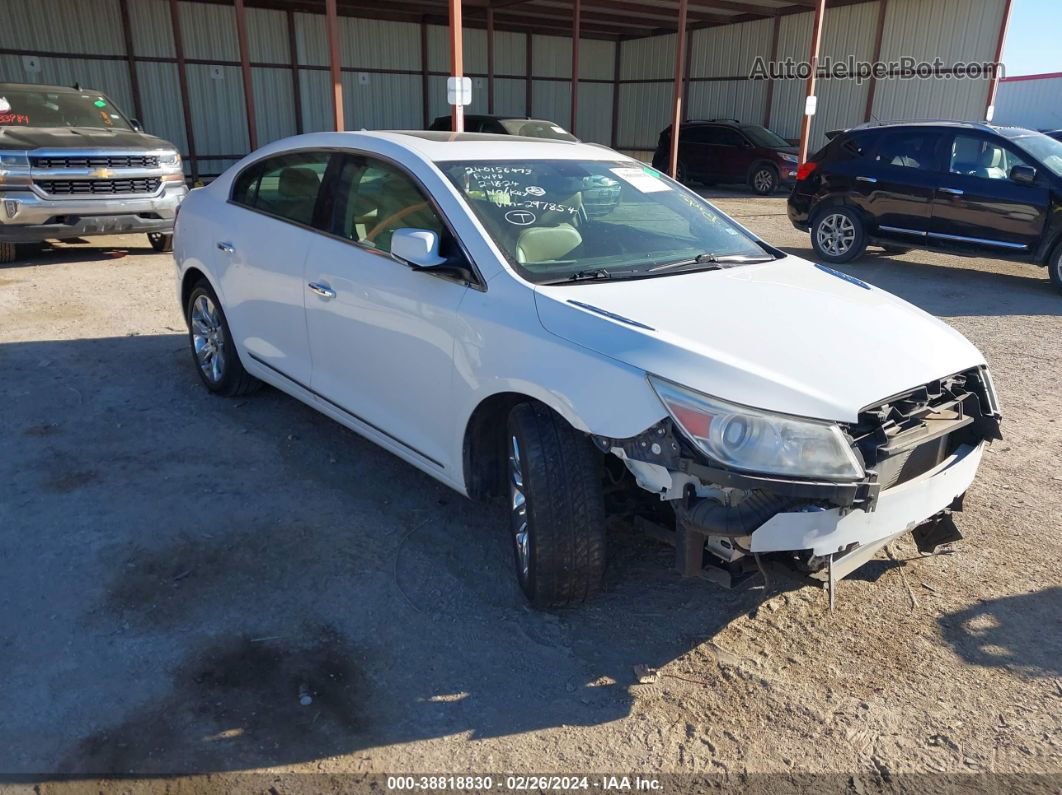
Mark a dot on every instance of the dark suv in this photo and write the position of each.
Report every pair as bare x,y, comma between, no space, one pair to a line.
957,187
724,150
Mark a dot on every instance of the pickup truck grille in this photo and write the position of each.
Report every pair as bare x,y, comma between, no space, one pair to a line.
97,161
95,187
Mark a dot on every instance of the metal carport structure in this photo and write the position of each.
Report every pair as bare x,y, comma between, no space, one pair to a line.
220,77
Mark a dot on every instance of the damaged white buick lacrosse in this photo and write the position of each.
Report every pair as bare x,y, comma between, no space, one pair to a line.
558,325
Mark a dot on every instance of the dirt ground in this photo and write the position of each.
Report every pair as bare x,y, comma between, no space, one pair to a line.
179,570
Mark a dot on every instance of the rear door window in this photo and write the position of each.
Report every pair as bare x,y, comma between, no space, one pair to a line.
286,186
914,149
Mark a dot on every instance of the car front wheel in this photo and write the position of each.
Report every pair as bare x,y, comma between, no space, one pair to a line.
1054,268
838,235
213,351
557,509
764,181
161,241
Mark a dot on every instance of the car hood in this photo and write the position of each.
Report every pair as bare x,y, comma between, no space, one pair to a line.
77,138
787,336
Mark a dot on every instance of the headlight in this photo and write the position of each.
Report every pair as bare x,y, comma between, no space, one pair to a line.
14,169
170,159
758,441
789,158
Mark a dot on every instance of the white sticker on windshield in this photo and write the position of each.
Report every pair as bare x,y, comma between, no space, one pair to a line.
5,106
641,178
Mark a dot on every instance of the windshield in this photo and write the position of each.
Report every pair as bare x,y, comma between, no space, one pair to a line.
761,136
536,128
43,108
558,219
1043,148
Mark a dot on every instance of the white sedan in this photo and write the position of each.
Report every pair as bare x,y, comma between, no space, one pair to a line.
548,321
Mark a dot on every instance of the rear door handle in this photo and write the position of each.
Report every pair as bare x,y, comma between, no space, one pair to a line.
228,248
322,290
951,191
871,180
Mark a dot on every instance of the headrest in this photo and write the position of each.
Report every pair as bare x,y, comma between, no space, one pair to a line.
541,243
298,182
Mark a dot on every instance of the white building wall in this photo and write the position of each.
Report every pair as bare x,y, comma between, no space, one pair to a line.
1036,104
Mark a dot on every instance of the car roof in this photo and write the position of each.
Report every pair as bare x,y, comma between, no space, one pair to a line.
1006,131
44,87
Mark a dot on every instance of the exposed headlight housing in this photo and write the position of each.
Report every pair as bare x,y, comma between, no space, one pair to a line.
755,441
14,169
170,160
788,157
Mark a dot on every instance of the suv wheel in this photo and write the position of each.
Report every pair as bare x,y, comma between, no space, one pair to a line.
7,252
557,508
764,180
1054,268
161,241
213,351
838,235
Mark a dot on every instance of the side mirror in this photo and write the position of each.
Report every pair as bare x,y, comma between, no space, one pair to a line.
136,125
419,247
1023,175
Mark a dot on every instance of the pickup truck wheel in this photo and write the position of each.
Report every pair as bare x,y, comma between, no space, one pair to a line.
213,351
7,252
161,241
1054,268
763,180
837,235
557,508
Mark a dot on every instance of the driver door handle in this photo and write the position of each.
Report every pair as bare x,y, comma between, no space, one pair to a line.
322,290
951,191
871,180
228,248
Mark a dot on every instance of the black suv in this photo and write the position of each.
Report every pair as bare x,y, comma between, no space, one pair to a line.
724,150
958,187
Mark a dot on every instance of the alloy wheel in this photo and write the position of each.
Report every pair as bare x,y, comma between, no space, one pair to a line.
763,181
518,509
836,234
208,338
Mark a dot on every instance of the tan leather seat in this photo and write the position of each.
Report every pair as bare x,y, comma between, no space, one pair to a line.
544,243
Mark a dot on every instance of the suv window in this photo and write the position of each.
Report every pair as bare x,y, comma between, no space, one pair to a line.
975,156
908,149
373,199
285,186
701,135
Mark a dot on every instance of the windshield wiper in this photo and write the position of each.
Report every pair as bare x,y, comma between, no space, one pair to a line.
712,261
588,275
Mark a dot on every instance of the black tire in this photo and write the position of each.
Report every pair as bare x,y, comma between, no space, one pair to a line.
7,252
228,379
161,241
1054,267
763,180
838,234
682,175
896,251
558,473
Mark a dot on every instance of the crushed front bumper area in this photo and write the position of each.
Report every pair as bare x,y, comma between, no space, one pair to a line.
26,217
920,452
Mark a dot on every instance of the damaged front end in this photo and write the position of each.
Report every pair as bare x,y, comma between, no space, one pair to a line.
912,457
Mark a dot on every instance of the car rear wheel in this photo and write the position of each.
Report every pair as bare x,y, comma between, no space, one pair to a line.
161,241
1054,268
7,252
838,235
764,180
215,355
557,508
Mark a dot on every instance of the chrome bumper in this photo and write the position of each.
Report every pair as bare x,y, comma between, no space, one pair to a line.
27,217
898,510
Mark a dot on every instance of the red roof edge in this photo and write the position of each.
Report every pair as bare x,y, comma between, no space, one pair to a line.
1045,76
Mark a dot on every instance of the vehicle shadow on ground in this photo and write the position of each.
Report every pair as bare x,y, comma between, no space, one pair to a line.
71,251
952,290
1022,633
256,586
